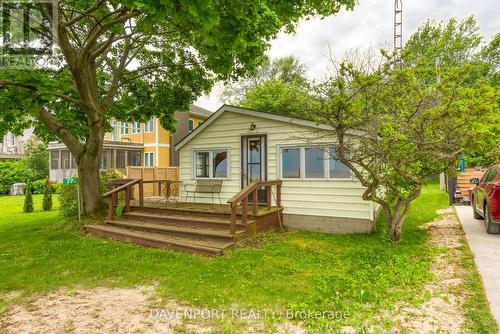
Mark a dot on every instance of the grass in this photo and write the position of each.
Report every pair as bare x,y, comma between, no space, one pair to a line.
356,274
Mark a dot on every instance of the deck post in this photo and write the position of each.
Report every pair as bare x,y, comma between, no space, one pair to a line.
244,210
141,193
110,208
255,200
278,195
127,199
268,197
233,219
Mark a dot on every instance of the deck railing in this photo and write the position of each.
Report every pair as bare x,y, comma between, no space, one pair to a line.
127,187
252,189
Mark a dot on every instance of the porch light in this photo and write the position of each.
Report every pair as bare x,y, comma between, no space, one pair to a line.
253,126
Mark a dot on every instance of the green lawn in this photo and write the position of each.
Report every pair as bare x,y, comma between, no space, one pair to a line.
360,274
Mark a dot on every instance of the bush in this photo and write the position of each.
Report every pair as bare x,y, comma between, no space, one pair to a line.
39,186
47,197
28,199
57,187
12,172
68,200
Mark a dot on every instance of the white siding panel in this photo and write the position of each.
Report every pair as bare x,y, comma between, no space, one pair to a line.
333,198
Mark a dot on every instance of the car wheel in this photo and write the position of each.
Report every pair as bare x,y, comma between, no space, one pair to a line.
474,211
491,228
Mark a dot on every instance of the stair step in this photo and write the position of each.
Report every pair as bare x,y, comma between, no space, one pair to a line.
197,231
183,220
207,247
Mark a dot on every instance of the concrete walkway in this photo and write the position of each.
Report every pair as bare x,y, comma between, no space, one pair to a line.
486,250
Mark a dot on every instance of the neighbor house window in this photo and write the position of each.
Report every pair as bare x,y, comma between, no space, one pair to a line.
191,125
124,128
150,125
136,127
65,159
134,158
114,131
313,162
54,159
149,160
211,164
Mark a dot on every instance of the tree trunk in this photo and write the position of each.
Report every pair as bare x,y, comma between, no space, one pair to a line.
90,190
395,229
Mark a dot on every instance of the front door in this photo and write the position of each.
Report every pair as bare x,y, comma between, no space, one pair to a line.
254,162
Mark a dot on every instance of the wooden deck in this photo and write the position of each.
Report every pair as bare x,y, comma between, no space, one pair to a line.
207,229
159,203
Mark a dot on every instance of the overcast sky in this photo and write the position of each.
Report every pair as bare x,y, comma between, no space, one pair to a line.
370,24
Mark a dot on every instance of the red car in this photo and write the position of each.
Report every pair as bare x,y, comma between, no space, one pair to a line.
486,199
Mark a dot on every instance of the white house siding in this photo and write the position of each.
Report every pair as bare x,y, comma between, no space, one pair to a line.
322,198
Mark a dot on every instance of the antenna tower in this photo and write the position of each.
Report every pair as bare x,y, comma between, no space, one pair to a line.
398,26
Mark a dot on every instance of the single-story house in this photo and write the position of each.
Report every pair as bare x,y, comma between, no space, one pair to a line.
239,145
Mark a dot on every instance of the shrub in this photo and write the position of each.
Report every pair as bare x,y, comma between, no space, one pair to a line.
57,187
28,199
68,200
12,172
47,197
39,186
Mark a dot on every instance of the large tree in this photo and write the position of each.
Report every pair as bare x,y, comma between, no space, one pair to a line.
133,59
456,42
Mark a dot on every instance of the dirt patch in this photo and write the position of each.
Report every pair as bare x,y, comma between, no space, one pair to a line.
442,310
100,310
123,311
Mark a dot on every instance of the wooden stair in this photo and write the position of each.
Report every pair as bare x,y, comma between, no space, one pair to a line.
205,233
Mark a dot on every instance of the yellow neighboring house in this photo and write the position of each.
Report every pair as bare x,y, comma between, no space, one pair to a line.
132,144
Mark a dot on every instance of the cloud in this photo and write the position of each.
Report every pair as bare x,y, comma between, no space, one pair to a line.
370,24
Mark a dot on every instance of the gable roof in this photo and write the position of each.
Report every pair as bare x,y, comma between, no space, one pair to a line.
249,112
199,111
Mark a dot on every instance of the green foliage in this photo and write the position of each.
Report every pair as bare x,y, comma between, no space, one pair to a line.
47,197
36,157
287,70
39,186
278,97
28,199
12,172
68,199
455,43
119,210
57,186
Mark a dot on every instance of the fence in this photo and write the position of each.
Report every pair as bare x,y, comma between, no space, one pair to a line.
151,174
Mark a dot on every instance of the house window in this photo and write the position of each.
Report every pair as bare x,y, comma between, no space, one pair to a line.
312,162
54,159
337,169
191,125
149,160
150,125
124,128
290,162
211,164
136,127
104,160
